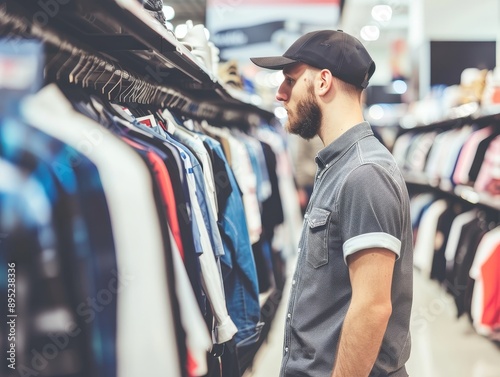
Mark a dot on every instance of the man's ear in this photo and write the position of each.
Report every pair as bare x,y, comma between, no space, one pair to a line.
324,82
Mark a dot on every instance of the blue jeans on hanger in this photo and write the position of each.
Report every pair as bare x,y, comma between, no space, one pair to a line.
238,264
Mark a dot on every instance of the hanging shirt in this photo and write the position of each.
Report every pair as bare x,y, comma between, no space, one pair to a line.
73,249
144,345
287,234
488,179
426,238
485,308
196,144
247,181
466,158
197,337
238,265
225,329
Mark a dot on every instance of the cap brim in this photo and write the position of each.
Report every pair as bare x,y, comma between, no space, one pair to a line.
273,62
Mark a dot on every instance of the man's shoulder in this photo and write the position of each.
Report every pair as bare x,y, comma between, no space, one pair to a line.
371,151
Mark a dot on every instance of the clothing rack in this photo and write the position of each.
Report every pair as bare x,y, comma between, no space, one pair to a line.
118,51
448,124
460,193
463,195
450,170
114,50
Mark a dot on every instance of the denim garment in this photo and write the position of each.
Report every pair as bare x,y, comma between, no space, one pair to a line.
238,264
186,155
195,144
257,158
224,329
201,194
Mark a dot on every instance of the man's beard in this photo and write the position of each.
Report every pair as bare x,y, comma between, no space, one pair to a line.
305,120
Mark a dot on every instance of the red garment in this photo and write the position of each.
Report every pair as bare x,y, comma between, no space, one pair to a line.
490,272
163,179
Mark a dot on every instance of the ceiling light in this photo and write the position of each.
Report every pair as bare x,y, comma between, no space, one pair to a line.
376,112
370,32
382,13
399,86
169,12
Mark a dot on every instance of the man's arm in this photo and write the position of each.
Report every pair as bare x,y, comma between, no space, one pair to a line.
366,320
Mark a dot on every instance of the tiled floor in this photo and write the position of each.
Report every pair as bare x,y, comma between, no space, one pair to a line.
442,346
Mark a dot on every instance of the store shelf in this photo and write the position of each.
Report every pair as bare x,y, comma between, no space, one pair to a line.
481,117
470,195
418,178
461,192
121,31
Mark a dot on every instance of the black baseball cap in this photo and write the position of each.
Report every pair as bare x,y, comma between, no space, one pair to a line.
342,54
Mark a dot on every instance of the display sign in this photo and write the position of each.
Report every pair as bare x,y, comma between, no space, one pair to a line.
21,71
243,28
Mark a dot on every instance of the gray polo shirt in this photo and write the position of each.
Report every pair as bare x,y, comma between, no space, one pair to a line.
359,201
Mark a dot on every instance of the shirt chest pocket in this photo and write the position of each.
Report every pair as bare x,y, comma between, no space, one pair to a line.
317,237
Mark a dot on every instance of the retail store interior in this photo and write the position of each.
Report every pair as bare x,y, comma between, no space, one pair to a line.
134,65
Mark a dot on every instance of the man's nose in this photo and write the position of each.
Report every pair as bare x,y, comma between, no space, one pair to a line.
281,94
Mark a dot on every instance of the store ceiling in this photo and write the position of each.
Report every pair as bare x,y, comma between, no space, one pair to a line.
355,14
188,10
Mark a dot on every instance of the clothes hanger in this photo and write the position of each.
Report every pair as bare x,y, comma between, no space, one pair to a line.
58,54
95,64
104,70
166,99
118,84
128,91
76,68
133,94
140,88
108,82
174,101
89,62
155,96
66,63
142,94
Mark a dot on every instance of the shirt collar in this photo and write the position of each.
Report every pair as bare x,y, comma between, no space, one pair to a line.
332,152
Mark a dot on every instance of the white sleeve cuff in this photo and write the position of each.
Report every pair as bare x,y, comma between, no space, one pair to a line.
225,330
371,240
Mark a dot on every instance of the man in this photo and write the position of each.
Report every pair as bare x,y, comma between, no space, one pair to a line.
350,302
